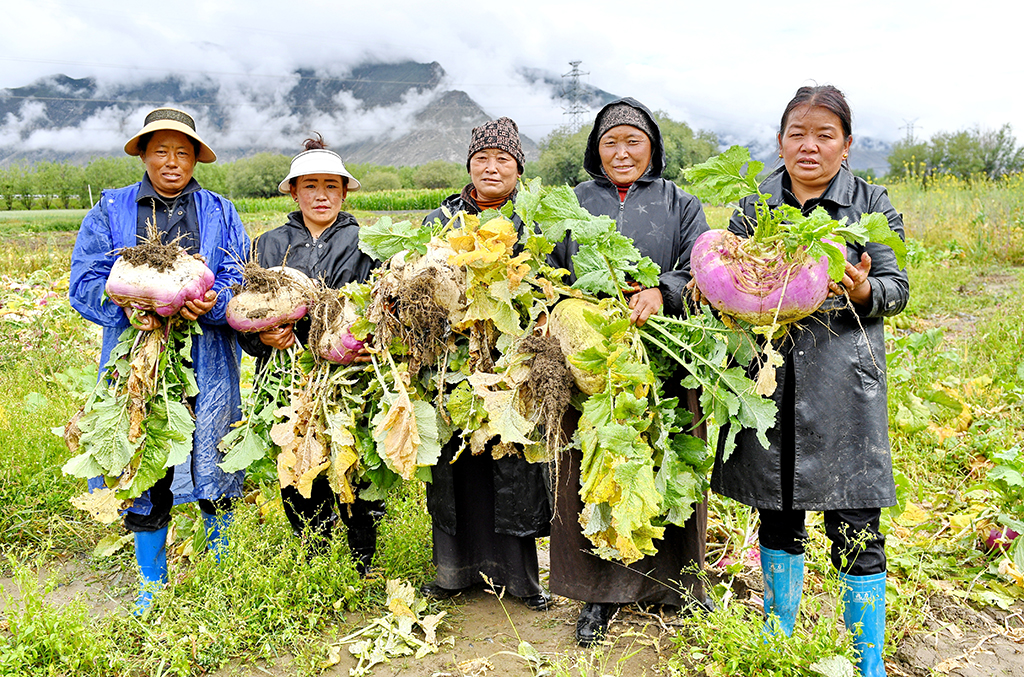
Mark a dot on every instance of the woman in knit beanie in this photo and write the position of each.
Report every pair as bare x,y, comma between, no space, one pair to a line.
487,513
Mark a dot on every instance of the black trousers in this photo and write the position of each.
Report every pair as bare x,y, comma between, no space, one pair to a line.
316,513
858,546
163,498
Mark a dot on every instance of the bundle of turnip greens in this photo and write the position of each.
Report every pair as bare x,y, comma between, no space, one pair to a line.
137,422
460,349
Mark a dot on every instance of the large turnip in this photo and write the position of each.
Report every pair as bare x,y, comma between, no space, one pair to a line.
754,285
158,278
269,298
330,336
568,323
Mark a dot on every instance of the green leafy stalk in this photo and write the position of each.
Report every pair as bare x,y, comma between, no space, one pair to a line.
137,421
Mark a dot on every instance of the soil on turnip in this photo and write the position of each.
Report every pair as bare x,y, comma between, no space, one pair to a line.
324,308
424,324
152,254
549,385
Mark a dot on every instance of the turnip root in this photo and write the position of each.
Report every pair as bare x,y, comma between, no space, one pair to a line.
269,298
569,325
762,289
332,316
448,282
998,539
158,278
419,301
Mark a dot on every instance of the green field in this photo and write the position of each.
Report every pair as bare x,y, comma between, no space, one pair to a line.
956,392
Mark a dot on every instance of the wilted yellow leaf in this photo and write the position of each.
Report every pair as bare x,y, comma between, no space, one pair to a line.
102,504
913,514
962,521
283,433
401,437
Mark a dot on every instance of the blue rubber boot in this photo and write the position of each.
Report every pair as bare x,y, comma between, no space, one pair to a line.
864,598
783,587
216,532
151,555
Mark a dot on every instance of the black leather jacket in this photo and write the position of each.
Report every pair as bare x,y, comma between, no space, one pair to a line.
837,416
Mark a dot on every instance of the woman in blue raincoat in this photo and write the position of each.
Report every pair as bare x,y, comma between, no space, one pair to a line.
207,224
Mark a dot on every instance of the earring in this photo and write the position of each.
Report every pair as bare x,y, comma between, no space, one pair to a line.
780,154
844,156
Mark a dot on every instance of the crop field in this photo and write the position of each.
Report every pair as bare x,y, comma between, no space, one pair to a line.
954,598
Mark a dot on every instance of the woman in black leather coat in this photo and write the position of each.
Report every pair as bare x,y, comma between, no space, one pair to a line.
829,449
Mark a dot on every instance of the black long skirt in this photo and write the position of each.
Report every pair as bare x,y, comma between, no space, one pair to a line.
475,548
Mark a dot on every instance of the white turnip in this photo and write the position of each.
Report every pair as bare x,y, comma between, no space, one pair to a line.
157,278
332,316
447,282
269,298
569,325
755,284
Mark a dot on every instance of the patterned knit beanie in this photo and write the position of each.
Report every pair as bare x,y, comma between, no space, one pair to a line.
624,114
502,134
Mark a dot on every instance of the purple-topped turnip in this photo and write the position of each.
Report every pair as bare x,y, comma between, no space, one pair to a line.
157,278
269,298
758,287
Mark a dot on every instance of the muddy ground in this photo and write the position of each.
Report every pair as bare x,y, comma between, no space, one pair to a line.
481,635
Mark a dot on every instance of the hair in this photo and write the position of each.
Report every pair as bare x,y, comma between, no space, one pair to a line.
148,136
825,96
316,142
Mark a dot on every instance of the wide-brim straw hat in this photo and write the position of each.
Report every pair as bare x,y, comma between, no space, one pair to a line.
173,120
317,161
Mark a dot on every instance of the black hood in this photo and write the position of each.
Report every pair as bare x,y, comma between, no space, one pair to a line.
592,158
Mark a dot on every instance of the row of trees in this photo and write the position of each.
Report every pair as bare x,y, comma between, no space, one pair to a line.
50,185
57,185
967,154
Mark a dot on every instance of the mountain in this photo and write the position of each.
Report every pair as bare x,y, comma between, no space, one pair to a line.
398,113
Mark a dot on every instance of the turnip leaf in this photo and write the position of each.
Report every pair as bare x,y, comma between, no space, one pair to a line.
385,238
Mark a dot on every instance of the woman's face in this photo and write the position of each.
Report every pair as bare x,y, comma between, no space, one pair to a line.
813,148
319,197
625,153
494,173
170,158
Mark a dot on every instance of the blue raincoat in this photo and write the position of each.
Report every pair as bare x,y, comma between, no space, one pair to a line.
110,225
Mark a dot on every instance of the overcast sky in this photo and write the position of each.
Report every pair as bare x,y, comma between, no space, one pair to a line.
726,66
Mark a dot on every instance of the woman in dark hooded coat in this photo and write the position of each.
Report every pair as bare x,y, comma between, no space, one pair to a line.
626,156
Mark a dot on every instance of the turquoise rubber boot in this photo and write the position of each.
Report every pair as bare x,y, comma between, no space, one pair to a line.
151,555
216,532
783,587
864,598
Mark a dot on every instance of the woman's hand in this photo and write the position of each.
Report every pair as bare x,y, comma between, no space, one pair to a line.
192,310
854,282
144,320
644,302
281,338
